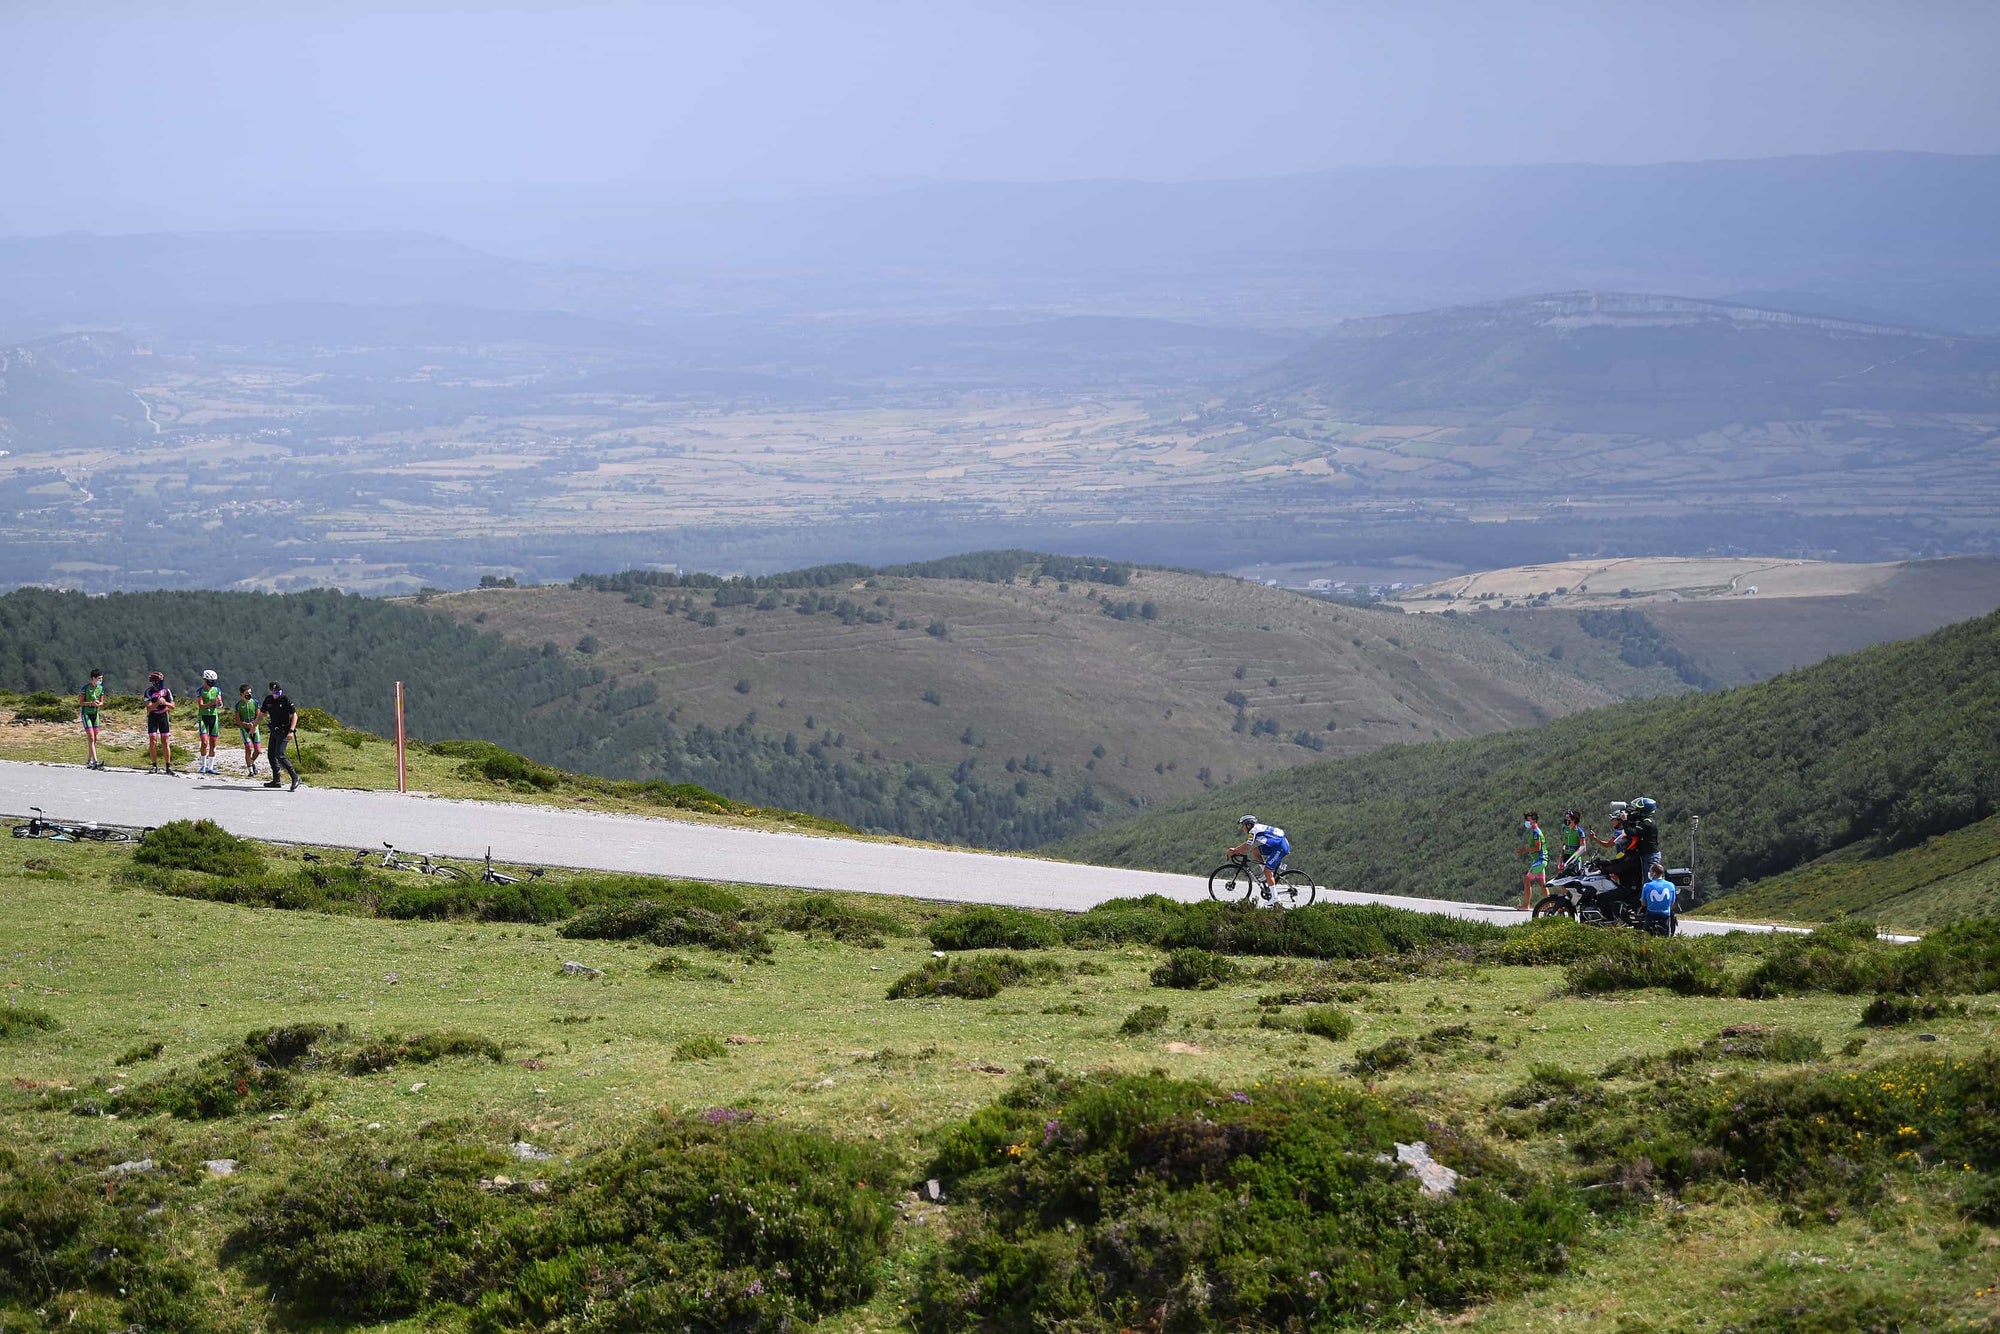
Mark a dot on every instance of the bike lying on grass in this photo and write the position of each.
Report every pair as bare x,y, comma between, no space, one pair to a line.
492,877
1241,880
396,861
40,826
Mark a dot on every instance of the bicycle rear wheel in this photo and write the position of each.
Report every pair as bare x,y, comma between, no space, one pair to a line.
1232,882
447,873
1295,889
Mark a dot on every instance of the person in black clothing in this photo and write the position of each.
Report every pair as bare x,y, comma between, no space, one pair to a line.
280,717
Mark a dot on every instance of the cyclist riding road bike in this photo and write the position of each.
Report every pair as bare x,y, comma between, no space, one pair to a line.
1268,842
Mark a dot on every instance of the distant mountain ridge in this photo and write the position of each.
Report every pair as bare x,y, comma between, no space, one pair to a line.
1605,361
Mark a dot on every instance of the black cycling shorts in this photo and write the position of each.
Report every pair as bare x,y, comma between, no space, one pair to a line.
158,724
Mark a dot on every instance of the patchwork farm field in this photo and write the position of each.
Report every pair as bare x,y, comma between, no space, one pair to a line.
269,1096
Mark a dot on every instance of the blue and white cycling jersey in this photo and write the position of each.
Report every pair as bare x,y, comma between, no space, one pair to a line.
1659,895
1271,841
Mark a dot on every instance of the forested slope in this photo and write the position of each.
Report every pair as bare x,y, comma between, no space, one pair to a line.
1885,747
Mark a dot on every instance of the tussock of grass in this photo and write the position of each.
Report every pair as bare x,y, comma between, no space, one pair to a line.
673,965
701,1047
978,977
986,928
818,915
420,1049
1145,1201
1448,1041
1194,970
1894,1011
142,1053
1145,1019
1325,1021
20,1020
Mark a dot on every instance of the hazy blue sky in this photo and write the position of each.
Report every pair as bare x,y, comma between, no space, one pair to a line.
213,114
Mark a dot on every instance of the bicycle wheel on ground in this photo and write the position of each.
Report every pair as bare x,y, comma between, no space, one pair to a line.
108,835
447,873
1295,889
26,831
1555,905
1232,882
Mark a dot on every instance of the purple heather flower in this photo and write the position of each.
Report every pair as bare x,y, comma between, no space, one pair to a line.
1049,1133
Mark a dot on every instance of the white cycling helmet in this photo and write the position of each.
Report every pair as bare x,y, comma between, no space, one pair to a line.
1248,819
208,676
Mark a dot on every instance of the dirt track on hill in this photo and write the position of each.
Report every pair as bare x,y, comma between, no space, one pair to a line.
593,840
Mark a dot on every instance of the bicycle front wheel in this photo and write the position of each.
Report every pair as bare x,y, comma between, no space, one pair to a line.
1296,889
26,831
1231,882
447,873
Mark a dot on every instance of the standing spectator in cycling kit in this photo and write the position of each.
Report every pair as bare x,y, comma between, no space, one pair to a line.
90,705
1536,850
207,722
159,723
246,727
1266,841
283,718
1572,836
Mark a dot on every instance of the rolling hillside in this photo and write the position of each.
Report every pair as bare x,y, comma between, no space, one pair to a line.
1942,879
1144,691
1879,749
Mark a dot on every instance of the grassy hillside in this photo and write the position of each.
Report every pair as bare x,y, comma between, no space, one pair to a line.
1145,691
1891,745
220,1118
1943,879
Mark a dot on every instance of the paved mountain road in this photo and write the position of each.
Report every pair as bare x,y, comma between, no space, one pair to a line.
599,841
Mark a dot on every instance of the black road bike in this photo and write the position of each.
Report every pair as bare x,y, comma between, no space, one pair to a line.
1241,880
40,826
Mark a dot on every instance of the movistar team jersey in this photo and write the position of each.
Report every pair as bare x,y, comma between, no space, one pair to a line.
1658,895
208,704
246,713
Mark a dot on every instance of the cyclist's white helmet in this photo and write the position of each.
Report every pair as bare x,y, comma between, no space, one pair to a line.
1248,819
208,676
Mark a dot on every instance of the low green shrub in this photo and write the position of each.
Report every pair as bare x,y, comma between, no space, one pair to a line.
1145,1019
1327,1021
716,1223
1193,970
486,762
1109,1202
18,1021
1632,962
420,1049
257,1074
199,845
142,1053
1319,931
1447,1040
45,706
1818,1138
701,1047
673,965
1553,1098
70,1244
690,914
819,915
978,977
1895,1011
985,928
1547,941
